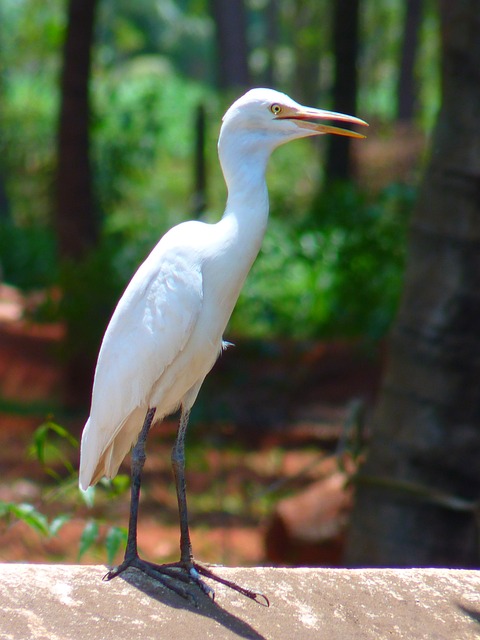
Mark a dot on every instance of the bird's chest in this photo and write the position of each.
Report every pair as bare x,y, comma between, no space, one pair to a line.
188,370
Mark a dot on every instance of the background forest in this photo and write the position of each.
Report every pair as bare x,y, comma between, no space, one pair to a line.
109,117
158,66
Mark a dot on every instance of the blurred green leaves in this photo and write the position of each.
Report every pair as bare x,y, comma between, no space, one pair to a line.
113,541
45,448
27,255
28,514
336,274
53,447
337,271
331,269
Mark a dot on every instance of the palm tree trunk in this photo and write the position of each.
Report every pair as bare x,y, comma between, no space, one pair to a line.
346,20
232,49
418,491
75,221
406,85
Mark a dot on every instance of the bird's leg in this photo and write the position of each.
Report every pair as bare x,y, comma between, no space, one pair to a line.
187,570
167,576
178,465
138,461
193,567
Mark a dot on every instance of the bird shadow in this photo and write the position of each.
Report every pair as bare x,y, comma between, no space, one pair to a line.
473,613
206,606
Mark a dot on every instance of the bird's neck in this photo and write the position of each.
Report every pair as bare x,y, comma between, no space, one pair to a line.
246,213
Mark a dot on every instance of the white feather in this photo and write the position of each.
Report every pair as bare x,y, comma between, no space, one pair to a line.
166,331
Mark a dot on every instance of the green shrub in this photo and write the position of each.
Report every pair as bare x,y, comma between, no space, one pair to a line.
27,255
338,273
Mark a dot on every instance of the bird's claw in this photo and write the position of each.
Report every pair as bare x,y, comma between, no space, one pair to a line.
207,590
256,596
115,571
187,572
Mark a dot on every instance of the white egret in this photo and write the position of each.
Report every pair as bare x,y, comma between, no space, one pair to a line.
166,332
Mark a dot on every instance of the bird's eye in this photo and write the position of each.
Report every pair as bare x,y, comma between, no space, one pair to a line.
275,109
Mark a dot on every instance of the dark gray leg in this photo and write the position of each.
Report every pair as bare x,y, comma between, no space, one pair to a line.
178,465
167,577
187,570
138,461
194,567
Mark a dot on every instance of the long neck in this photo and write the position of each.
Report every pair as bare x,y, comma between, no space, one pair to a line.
246,213
236,239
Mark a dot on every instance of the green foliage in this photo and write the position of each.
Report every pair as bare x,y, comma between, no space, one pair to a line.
57,523
336,272
370,239
89,537
26,513
45,448
117,486
33,517
53,447
181,30
142,143
27,145
339,272
382,31
30,34
340,276
27,255
91,289
114,539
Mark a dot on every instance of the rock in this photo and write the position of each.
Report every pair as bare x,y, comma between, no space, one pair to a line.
309,527
61,602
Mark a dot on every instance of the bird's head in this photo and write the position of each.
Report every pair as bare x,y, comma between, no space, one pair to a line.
271,118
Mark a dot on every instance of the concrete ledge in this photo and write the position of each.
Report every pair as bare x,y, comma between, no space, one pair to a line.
61,602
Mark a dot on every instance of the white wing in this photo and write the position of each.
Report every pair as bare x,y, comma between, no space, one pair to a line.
149,328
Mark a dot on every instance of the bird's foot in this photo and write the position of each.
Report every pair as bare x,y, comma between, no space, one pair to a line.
204,570
167,576
173,575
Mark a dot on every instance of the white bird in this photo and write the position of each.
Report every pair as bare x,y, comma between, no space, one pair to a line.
166,331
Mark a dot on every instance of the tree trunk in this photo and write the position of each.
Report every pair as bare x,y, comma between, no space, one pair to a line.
200,163
75,221
5,213
232,49
305,20
346,15
417,490
271,42
406,87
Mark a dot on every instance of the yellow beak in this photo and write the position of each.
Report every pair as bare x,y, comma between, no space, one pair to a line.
308,118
